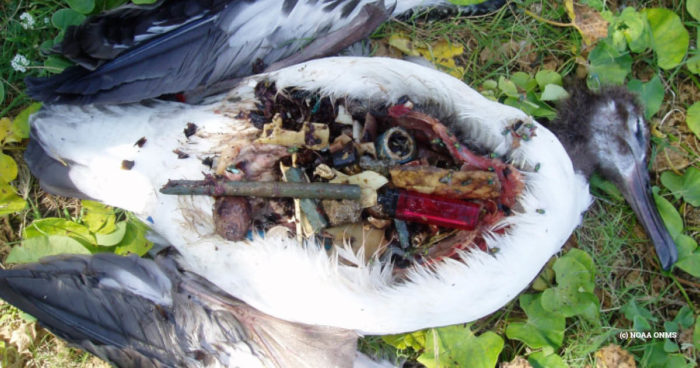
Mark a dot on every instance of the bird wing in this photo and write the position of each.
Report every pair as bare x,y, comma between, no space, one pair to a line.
143,313
171,48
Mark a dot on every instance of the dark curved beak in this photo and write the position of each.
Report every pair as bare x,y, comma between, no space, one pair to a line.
637,191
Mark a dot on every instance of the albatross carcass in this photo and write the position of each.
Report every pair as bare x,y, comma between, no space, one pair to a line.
81,150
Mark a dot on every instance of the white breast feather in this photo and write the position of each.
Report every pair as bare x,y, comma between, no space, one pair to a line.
303,284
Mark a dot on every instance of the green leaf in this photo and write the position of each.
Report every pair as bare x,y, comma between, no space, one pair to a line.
134,240
2,92
113,238
639,316
608,65
56,64
58,226
686,186
34,249
684,317
651,93
553,92
508,87
414,340
693,7
545,359
669,37
693,64
20,125
10,202
672,219
140,2
64,18
598,183
634,28
459,347
8,168
656,357
98,217
545,77
688,254
573,295
693,118
542,328
82,6
524,81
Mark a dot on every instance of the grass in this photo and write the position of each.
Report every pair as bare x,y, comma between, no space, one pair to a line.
496,45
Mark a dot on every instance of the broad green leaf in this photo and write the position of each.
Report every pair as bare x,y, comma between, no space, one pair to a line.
5,129
634,28
693,7
672,219
489,84
688,254
414,340
64,18
553,92
459,347
8,168
34,249
669,37
58,226
113,238
542,328
82,6
508,87
639,316
20,125
573,295
134,240
524,81
545,77
656,357
10,202
542,359
693,119
56,64
651,93
98,217
686,186
693,64
684,317
608,65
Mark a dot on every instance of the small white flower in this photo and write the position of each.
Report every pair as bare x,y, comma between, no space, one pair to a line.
19,63
46,20
26,20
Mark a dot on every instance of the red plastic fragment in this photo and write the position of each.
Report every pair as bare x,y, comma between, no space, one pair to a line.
433,210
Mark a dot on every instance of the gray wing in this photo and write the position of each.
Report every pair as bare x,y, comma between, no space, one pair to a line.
138,312
167,49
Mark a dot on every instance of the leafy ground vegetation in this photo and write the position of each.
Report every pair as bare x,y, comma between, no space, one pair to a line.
603,302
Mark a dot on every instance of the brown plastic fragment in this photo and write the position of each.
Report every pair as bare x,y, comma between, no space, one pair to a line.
232,217
342,212
447,183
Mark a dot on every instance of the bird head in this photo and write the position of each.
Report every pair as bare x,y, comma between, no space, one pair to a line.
606,131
